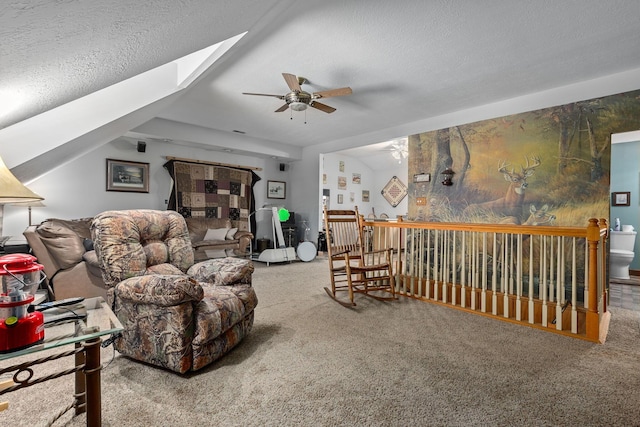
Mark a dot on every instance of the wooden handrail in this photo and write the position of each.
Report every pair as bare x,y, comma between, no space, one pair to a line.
535,230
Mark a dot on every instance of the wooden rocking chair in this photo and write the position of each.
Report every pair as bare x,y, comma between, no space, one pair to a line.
352,267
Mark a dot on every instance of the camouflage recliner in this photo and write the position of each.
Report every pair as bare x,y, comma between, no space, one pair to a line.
176,314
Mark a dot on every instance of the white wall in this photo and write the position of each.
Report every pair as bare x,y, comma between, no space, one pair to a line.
372,180
78,189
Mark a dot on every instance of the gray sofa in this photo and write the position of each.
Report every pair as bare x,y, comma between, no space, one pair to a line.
234,241
65,249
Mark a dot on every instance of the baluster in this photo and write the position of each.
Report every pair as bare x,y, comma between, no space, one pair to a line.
483,299
560,283
519,277
463,269
543,285
574,288
436,265
473,282
445,264
455,270
494,277
531,304
551,270
417,265
428,291
508,258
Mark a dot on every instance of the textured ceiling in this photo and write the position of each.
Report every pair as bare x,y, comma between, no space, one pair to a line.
405,61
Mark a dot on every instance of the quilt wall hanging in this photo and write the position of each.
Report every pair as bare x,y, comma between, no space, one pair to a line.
394,191
211,191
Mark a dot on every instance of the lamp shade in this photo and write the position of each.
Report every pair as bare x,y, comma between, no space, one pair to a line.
12,190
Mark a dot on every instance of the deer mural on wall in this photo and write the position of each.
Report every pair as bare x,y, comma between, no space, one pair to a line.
511,204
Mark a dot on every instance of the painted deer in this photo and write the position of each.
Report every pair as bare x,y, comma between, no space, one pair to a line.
511,204
536,217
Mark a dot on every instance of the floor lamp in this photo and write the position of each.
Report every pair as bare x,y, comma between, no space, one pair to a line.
12,191
31,204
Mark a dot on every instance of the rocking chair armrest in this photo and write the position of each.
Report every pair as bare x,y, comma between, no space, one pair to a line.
346,251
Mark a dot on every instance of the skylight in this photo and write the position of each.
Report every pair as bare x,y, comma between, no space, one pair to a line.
46,131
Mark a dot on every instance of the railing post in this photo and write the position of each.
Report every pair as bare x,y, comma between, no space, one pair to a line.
605,264
593,319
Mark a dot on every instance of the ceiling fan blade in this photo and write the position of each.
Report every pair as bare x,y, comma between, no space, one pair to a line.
322,107
264,94
332,92
283,108
292,82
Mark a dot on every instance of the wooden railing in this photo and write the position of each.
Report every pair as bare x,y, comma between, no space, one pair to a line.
552,278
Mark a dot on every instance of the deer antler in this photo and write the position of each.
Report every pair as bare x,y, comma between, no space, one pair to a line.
528,170
502,167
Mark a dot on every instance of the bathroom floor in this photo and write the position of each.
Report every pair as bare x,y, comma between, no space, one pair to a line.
625,293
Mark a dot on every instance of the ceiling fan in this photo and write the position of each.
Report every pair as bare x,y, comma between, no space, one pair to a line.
399,149
299,100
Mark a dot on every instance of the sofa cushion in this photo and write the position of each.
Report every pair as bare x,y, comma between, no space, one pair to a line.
216,234
223,271
218,311
64,240
231,233
199,226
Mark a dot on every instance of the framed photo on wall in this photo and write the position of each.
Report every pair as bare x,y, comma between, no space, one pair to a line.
621,198
123,175
276,190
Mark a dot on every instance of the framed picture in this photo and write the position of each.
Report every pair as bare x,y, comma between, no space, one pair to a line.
422,177
276,190
340,199
342,183
365,195
621,198
123,175
356,179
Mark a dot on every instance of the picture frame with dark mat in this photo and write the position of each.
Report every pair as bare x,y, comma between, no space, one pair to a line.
124,175
622,198
276,190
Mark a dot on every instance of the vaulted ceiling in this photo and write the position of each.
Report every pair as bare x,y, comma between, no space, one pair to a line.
405,61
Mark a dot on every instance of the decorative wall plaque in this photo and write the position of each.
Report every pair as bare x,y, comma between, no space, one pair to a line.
394,191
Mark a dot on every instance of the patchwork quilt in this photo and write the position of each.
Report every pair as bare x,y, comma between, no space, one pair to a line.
212,191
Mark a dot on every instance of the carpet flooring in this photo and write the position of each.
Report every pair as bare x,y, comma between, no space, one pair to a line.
311,362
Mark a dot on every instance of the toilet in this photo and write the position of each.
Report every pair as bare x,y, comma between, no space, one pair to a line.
621,253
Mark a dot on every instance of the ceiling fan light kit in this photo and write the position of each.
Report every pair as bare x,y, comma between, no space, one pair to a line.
298,106
299,100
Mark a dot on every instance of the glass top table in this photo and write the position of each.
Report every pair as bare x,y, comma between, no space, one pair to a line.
67,326
82,324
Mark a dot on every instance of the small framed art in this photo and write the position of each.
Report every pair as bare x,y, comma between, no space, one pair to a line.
276,190
621,198
123,175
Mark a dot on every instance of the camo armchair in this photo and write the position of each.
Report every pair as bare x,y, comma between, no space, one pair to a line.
176,314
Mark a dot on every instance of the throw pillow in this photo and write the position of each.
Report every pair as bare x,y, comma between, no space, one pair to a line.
232,232
88,244
216,234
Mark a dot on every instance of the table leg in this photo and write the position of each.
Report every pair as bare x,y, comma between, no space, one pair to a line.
80,396
92,375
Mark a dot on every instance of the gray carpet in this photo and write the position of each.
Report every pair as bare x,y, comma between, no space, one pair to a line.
311,362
